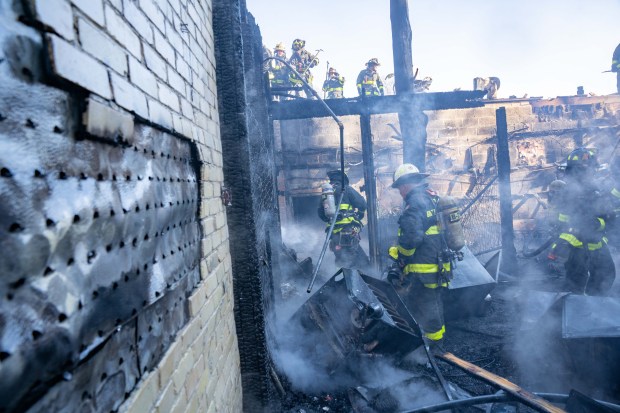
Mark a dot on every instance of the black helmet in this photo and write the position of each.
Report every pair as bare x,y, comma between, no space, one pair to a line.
581,159
336,175
298,44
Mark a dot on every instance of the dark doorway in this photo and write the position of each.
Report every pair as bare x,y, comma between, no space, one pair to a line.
305,209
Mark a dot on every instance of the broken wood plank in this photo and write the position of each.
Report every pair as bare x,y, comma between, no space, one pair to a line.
524,396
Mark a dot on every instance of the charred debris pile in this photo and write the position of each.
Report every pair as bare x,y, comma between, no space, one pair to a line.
353,346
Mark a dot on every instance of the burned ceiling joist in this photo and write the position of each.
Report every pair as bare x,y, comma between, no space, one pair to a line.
305,108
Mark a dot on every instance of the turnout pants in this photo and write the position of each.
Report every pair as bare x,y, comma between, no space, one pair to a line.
425,305
590,272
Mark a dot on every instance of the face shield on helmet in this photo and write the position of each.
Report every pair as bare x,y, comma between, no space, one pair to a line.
298,44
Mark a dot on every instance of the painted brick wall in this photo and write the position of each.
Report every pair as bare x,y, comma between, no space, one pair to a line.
152,61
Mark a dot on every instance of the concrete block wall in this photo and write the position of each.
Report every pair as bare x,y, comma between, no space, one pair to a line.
153,61
451,134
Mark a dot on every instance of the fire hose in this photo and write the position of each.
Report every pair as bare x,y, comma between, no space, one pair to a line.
530,254
497,398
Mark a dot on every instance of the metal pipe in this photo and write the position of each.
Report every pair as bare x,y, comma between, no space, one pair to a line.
329,234
343,186
496,398
314,93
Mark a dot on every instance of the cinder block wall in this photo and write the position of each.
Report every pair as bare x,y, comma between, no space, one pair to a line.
152,62
308,146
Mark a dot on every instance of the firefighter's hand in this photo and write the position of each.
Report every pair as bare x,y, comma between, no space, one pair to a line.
394,274
555,268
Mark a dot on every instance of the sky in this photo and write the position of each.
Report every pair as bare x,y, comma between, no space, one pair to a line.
536,47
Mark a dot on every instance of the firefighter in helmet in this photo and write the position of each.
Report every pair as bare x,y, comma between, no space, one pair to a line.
334,84
302,61
584,215
615,66
278,71
345,239
421,271
558,224
369,82
610,190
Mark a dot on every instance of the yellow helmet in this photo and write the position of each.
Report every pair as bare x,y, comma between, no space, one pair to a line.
407,173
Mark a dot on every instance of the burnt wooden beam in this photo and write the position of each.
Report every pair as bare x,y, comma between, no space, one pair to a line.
401,46
509,253
412,122
370,188
530,399
304,109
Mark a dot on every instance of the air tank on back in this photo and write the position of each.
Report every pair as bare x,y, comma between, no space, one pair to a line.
450,222
327,200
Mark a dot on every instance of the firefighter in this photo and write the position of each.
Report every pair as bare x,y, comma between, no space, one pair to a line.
302,61
558,223
368,81
615,66
421,272
610,189
584,214
334,84
345,239
278,71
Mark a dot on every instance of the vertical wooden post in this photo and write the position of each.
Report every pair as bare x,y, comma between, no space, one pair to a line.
411,119
509,252
370,188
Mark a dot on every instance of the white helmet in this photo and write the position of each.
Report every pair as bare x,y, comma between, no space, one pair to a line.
406,173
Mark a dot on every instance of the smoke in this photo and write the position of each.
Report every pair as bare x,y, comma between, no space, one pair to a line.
547,356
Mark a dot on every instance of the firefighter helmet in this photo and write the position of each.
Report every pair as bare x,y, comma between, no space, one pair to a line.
298,44
581,159
407,173
373,61
557,185
555,192
280,47
336,176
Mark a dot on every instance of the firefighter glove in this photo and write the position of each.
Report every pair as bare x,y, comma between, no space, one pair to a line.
394,274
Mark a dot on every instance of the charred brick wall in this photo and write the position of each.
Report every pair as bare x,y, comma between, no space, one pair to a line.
115,270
